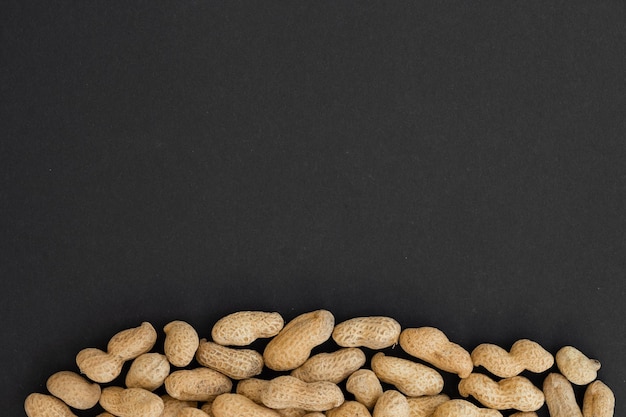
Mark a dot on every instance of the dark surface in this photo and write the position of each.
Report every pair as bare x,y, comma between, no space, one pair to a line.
445,164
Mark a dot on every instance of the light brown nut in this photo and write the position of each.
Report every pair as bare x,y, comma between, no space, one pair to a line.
524,355
291,412
148,371
252,388
244,327
131,402
99,366
374,332
181,343
365,386
43,405
560,397
235,363
74,390
433,346
599,400
290,392
171,405
516,392
392,404
411,378
314,414
130,343
235,405
349,409
575,366
463,408
334,366
425,405
199,384
292,346
191,412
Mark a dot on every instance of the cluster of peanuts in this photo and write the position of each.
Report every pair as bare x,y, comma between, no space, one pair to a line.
220,377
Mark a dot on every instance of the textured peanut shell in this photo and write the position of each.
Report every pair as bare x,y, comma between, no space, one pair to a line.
244,327
517,392
374,332
349,409
292,346
433,346
314,414
392,404
207,407
148,371
131,402
575,366
425,405
130,343
191,412
291,412
234,363
74,390
252,388
99,366
463,408
333,366
365,386
199,384
560,397
171,405
524,355
290,392
43,405
231,405
411,378
524,414
181,343
599,400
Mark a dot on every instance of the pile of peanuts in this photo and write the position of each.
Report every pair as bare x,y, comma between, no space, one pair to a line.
220,378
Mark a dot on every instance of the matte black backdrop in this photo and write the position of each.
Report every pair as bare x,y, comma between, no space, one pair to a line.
443,163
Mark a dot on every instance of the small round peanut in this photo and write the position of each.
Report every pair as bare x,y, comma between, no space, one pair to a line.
292,346
365,386
392,404
230,405
334,366
575,366
290,392
433,346
235,363
131,402
148,371
252,388
199,384
516,392
43,405
191,412
463,408
425,405
99,366
130,343
374,332
411,378
171,405
349,409
560,397
524,355
599,400
244,327
74,390
181,343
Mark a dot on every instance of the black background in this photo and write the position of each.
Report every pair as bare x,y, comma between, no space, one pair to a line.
444,163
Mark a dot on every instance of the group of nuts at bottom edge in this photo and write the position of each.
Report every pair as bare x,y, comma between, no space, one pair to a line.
219,377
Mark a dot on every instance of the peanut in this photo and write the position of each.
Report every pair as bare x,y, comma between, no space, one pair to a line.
365,386
292,346
181,343
463,408
410,378
314,414
233,405
432,345
560,397
252,388
334,367
99,366
207,407
130,343
349,409
191,412
524,414
131,402
148,371
374,332
290,392
291,412
392,404
235,363
575,366
73,390
244,327
199,384
425,405
43,405
516,392
599,400
171,406
524,355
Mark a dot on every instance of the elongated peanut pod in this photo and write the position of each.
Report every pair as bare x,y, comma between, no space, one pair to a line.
130,343
365,386
463,408
349,409
374,332
290,392
131,402
43,405
235,363
181,343
560,397
392,404
229,405
599,400
74,390
425,405
516,392
99,366
199,384
524,355
244,327
575,366
334,366
411,378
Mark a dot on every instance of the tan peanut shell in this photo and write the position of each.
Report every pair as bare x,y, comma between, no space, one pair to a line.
199,384
99,366
314,414
181,343
130,343
516,392
43,405
411,378
231,405
333,366
252,388
207,407
599,400
523,355
349,409
171,405
191,412
463,408
131,402
425,405
392,404
244,327
433,346
524,414
365,386
73,390
291,412
290,392
148,371
234,363
560,397
374,332
575,366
